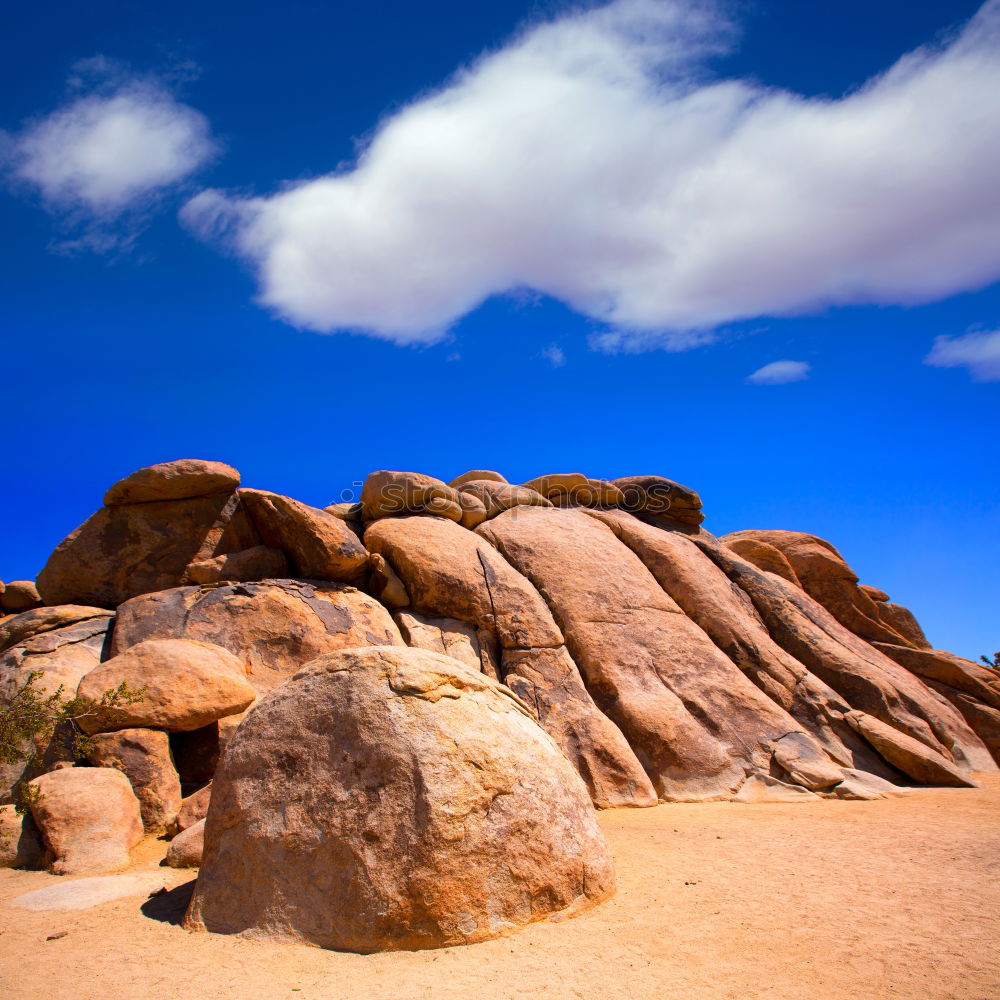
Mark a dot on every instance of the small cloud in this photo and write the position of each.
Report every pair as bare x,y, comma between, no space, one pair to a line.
111,150
454,356
555,356
780,372
978,351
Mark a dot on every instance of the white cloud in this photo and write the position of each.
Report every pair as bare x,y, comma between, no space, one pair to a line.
555,355
592,161
780,372
978,351
111,149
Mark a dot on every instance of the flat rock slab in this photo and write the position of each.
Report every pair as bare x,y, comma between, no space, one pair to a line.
83,893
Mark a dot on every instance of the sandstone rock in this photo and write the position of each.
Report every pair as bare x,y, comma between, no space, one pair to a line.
384,584
863,785
393,494
272,627
863,676
763,555
659,496
447,636
21,844
796,754
258,563
181,480
18,596
983,719
89,818
350,512
827,578
912,757
760,787
319,545
498,497
452,573
902,621
18,629
143,756
193,809
565,488
473,510
880,596
981,683
186,848
120,552
188,685
477,475
441,814
698,725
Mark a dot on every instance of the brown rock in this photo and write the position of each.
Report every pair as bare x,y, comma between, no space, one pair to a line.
186,848
196,754
89,818
393,494
477,475
498,497
981,683
319,545
864,677
698,725
911,756
181,480
187,685
350,512
452,573
662,497
983,719
473,510
272,628
18,596
880,596
258,563
18,629
796,754
441,815
447,636
384,584
763,555
143,756
827,578
565,488
21,844
120,552
194,808
902,620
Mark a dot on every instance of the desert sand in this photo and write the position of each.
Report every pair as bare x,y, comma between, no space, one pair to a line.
892,898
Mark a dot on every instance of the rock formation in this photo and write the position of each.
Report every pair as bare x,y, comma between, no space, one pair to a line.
599,616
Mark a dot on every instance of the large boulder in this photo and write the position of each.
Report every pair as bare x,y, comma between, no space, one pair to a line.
139,548
660,497
393,494
89,817
318,545
476,475
187,684
390,798
143,756
18,629
273,627
180,480
18,596
498,497
451,573
259,563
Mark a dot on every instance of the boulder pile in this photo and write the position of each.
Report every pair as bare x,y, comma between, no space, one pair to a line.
386,724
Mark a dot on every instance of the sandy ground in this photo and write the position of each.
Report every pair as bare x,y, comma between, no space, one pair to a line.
896,898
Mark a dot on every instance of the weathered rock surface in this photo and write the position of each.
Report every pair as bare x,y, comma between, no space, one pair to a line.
258,563
18,596
762,554
911,756
447,636
186,848
394,494
697,724
143,756
390,798
272,627
180,480
319,545
453,573
140,548
188,684
498,497
21,844
662,497
89,818
18,629
193,809
476,475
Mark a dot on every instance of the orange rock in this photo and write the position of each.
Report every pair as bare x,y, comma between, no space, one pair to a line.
18,596
180,480
441,815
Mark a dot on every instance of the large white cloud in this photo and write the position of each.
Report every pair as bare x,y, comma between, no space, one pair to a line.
591,160
103,152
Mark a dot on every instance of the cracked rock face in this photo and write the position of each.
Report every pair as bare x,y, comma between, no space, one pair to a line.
391,798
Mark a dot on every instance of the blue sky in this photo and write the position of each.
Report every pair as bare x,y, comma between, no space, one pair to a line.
605,272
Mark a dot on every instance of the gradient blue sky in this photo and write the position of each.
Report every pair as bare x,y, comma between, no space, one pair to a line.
154,348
